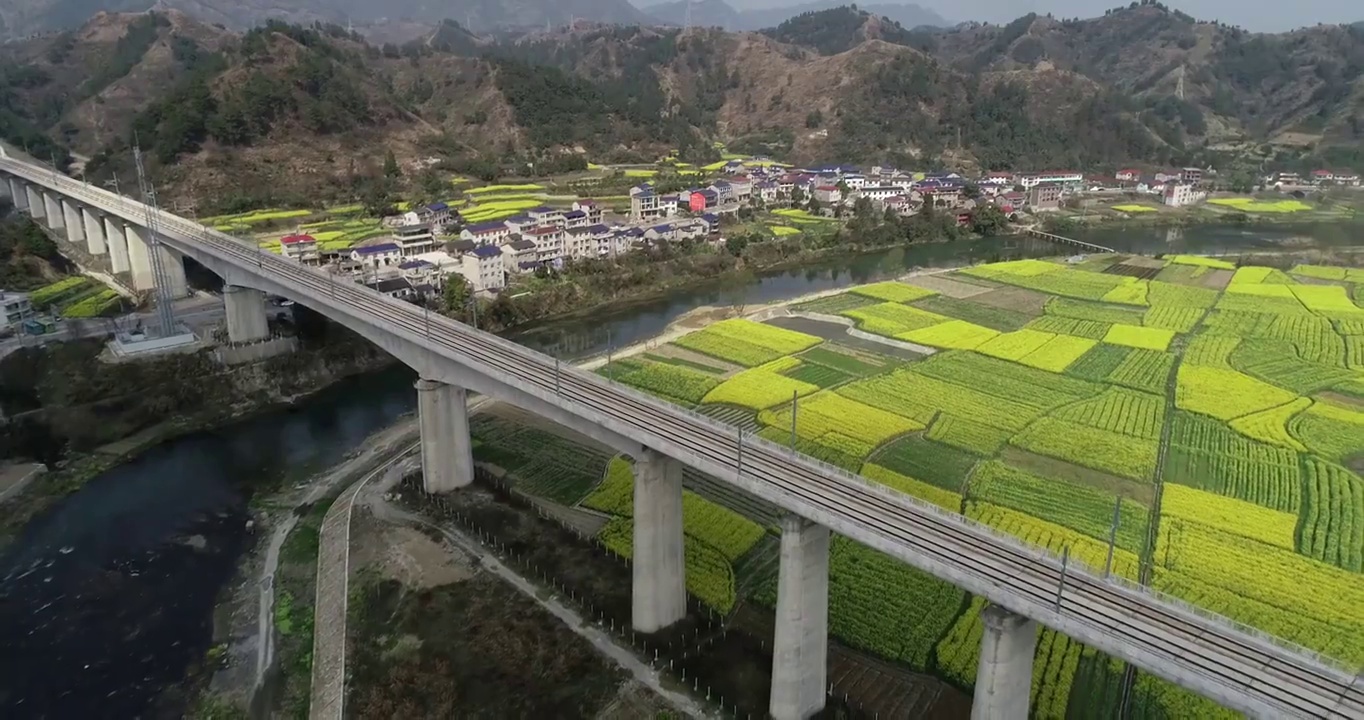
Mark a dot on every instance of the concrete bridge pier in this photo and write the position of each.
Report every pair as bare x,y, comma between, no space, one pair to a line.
71,217
52,211
18,192
1004,677
117,245
6,189
94,231
139,257
800,647
659,594
173,264
37,205
246,318
447,453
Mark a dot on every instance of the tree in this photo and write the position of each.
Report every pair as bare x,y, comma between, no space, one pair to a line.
456,295
391,169
988,220
735,244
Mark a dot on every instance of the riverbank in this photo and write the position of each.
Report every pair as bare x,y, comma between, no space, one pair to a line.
82,416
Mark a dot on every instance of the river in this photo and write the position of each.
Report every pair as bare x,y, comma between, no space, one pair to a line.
107,598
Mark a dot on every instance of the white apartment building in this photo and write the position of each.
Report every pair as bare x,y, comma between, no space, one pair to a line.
1180,194
484,268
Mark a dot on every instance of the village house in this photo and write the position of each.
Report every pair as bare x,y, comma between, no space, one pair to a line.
590,208
484,268
668,205
520,223
419,272
766,191
489,232
14,308
940,194
300,248
545,215
519,255
377,256
395,287
663,232
702,200
435,214
1064,178
1045,197
579,243
880,193
742,189
829,194
414,239
549,243
1191,175
643,204
1181,194
1128,175
575,219
724,192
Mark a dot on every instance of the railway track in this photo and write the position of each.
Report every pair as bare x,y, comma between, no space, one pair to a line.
1233,664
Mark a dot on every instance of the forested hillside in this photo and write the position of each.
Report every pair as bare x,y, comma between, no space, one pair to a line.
283,110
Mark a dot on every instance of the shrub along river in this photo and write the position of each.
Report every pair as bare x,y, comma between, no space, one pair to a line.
106,600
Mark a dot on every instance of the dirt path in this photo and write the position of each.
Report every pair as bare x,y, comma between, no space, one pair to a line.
601,640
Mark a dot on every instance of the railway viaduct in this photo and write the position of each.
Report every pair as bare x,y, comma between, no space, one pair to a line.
1210,655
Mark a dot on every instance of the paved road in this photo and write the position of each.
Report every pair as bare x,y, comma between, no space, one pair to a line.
1234,665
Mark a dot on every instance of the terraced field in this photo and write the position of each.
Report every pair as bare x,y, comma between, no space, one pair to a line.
1223,430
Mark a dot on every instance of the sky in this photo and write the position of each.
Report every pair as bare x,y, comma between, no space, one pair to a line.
1256,15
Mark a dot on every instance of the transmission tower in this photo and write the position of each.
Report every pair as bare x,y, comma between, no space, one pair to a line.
1179,87
164,312
687,24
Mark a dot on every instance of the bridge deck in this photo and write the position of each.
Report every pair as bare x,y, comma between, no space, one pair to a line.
1232,664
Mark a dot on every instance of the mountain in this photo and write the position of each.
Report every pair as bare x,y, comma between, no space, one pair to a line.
285,113
22,18
717,13
1192,81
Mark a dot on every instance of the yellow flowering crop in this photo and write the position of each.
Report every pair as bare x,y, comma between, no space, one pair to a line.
1139,337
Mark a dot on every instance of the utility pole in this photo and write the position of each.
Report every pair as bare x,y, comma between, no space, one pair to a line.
1113,536
165,313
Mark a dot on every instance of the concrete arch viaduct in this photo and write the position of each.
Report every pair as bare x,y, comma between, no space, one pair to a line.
1210,655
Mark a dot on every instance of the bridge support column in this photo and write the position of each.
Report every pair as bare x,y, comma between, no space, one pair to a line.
52,210
18,190
71,217
173,265
447,454
94,231
117,244
659,595
7,190
1004,677
139,257
37,206
800,647
246,318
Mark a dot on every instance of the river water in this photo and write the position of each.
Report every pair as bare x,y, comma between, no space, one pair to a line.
107,598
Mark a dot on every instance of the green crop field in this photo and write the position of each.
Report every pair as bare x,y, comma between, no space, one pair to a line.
1047,428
